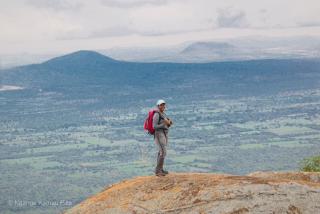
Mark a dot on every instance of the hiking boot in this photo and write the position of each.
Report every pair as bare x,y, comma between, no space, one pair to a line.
160,173
165,171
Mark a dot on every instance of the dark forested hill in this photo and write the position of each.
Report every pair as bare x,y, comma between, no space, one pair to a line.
88,68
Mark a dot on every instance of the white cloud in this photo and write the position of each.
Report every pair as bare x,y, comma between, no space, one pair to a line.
56,4
45,24
229,17
132,3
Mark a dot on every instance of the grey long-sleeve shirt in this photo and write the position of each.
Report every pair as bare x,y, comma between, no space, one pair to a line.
161,125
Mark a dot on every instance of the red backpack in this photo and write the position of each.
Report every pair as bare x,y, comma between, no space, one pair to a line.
148,123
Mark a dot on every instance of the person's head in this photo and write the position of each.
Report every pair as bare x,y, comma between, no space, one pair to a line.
161,104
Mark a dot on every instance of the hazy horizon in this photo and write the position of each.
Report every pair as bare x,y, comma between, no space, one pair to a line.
47,27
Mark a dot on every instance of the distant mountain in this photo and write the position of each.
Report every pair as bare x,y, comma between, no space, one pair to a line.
240,48
80,55
208,48
79,58
243,48
229,49
208,52
88,73
72,69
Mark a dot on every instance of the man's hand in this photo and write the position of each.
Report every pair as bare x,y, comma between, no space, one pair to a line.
167,121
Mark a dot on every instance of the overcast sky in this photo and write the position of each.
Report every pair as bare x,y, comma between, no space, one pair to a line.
42,26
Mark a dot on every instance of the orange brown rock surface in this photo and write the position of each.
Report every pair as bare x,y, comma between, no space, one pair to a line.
259,192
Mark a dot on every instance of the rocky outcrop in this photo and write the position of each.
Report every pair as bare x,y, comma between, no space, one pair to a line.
259,192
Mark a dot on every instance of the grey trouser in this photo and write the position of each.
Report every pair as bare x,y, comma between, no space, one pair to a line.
161,140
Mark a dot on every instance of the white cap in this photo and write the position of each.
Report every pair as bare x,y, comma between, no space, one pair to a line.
159,102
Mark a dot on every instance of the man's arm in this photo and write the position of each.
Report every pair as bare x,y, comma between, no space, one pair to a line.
155,124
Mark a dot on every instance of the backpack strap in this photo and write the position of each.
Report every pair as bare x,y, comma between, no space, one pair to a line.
159,116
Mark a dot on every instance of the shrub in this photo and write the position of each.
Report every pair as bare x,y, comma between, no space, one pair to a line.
311,164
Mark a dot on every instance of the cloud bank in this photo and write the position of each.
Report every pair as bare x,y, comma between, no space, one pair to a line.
60,25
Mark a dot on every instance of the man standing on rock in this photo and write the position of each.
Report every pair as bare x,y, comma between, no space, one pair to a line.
161,124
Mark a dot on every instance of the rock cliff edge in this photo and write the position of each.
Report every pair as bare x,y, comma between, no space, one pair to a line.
259,192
